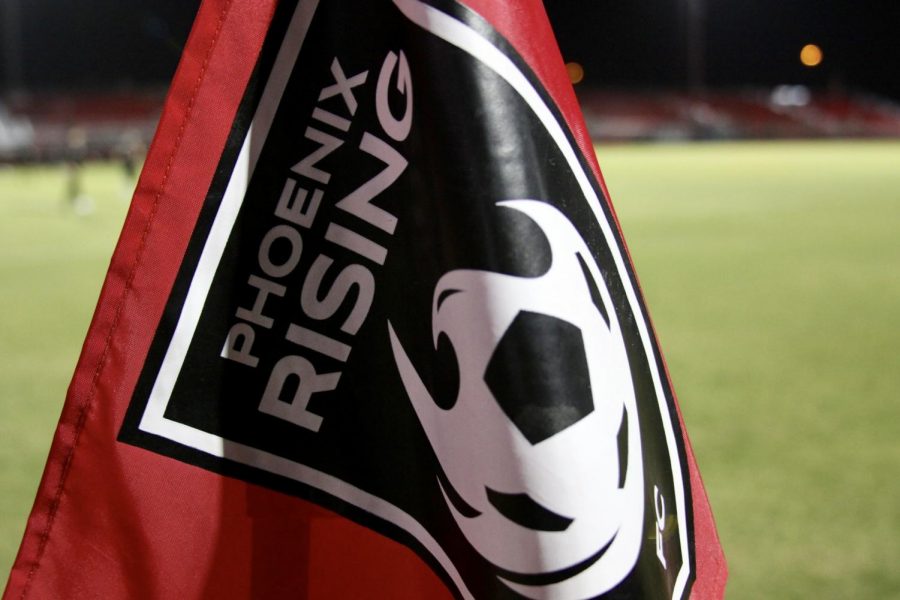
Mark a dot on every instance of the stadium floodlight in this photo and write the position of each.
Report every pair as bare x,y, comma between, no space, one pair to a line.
811,55
575,71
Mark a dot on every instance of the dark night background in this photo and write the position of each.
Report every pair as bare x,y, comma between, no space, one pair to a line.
635,43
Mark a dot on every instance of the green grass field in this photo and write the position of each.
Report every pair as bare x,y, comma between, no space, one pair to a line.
772,272
52,263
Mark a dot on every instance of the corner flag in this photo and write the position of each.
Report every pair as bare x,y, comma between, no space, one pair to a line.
370,331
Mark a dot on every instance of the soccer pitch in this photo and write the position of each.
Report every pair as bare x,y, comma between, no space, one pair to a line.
772,273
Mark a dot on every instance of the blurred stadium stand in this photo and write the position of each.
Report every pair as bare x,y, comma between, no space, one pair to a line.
75,127
783,112
119,125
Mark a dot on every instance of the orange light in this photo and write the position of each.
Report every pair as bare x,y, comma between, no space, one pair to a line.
811,55
575,71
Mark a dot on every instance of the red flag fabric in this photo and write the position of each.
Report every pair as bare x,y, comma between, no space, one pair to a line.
370,331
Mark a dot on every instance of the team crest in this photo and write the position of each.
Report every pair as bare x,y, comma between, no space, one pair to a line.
405,300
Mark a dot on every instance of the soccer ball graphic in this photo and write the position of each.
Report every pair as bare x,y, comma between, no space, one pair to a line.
540,449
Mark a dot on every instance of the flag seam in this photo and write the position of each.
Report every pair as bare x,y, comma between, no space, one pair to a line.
84,407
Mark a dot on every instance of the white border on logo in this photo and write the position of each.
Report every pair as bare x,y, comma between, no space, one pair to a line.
153,420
